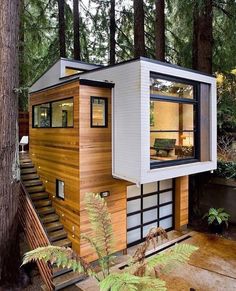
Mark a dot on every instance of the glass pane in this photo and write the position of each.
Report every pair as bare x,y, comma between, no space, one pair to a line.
150,215
171,88
133,191
149,188
166,223
134,205
166,184
133,220
149,201
133,235
165,197
165,210
171,130
98,112
42,115
62,113
146,228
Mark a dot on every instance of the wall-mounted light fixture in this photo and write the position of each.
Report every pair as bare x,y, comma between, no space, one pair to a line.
105,194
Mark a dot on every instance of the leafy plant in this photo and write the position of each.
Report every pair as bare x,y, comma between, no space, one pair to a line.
140,274
217,216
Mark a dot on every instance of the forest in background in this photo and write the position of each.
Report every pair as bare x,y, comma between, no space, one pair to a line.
104,31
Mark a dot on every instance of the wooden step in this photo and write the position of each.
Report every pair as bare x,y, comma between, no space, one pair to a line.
39,196
57,235
26,165
52,226
67,279
28,171
31,183
49,218
42,203
59,271
63,243
28,177
45,210
36,189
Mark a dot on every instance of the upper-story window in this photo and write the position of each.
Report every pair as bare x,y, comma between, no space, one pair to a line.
173,120
54,114
99,112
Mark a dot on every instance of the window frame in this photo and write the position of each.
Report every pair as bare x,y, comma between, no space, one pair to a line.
91,112
196,125
50,111
57,189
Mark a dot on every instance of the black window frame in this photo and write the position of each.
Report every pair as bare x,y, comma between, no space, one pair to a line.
91,112
57,189
50,112
196,107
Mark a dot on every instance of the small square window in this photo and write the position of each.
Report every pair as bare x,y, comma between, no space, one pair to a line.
99,112
60,189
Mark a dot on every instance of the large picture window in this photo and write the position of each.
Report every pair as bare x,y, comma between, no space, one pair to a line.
173,120
54,114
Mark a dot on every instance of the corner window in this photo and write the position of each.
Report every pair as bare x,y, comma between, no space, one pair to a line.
54,114
99,112
173,120
62,113
60,189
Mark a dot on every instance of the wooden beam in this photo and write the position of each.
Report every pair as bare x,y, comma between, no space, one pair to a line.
181,202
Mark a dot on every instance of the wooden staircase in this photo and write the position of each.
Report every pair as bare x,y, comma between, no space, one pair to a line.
51,225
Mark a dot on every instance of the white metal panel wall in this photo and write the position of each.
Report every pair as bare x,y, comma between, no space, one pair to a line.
148,175
126,117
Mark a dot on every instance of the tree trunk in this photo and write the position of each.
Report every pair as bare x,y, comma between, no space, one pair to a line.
62,28
139,40
112,33
202,36
9,165
77,52
160,30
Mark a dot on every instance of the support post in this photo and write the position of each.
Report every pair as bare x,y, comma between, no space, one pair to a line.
181,202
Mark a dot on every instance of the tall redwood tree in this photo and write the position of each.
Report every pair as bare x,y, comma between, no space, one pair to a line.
139,38
77,49
112,58
160,30
9,165
202,44
62,27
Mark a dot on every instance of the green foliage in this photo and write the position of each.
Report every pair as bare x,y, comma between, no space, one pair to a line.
129,282
137,276
226,169
217,216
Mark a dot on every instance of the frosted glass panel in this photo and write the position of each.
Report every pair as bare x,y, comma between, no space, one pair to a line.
165,184
133,220
150,201
165,210
149,215
133,235
133,191
165,197
148,227
134,205
166,223
149,188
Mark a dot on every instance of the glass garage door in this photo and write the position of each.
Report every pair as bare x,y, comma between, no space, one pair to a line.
149,205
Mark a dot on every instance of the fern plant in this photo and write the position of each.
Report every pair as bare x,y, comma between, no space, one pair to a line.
140,274
217,216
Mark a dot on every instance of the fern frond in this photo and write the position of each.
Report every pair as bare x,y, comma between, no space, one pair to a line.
180,253
128,282
62,257
100,220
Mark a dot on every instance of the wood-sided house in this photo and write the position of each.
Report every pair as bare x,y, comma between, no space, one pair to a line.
133,132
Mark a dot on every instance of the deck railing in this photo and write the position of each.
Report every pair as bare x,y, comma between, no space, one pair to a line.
35,233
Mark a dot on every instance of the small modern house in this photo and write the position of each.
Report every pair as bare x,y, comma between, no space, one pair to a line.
132,132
